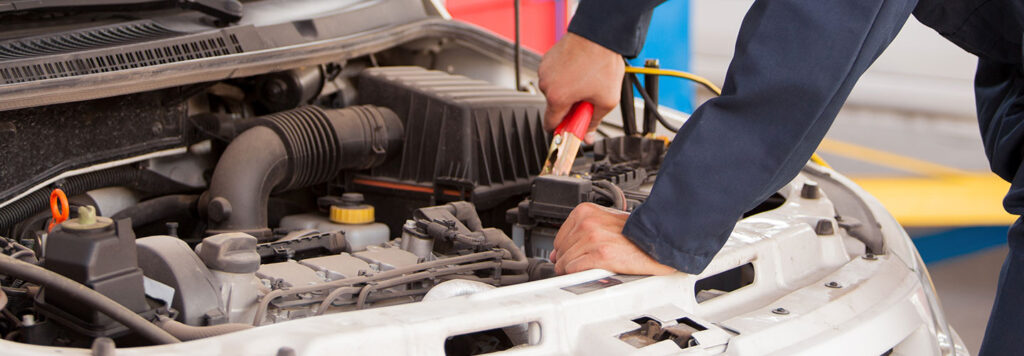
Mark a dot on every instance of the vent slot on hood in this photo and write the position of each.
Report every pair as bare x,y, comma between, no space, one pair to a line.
85,39
109,49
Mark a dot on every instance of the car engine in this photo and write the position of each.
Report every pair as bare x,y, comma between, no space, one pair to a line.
315,190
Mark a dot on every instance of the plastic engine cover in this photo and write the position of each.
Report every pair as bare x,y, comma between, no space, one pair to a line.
464,138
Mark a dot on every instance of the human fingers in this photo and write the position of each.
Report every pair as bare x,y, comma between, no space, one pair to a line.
566,236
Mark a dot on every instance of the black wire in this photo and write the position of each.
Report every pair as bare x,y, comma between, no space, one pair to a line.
614,126
602,133
519,51
627,107
648,101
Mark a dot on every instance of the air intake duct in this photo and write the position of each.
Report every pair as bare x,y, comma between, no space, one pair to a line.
291,150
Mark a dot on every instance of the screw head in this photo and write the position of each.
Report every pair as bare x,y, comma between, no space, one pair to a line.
810,190
833,284
824,227
870,257
780,311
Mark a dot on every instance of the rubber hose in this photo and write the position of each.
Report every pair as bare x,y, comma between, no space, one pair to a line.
617,195
188,332
518,261
156,209
604,193
540,269
466,212
88,297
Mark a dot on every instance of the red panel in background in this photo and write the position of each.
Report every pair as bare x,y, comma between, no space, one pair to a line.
542,21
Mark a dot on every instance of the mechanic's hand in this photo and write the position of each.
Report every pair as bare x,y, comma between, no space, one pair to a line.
574,70
592,238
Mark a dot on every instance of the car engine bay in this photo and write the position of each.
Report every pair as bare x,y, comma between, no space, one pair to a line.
320,189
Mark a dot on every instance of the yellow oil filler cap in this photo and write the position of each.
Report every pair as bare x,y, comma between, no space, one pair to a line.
352,210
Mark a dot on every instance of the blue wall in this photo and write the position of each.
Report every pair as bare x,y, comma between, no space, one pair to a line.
668,40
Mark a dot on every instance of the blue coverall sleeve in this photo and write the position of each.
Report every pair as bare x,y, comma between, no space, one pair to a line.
795,63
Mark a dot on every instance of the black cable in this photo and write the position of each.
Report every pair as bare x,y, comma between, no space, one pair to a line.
627,107
614,126
617,195
518,50
650,106
648,100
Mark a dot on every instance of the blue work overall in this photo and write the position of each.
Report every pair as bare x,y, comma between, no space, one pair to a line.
794,66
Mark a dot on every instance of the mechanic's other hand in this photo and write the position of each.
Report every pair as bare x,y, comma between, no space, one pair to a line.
574,70
592,238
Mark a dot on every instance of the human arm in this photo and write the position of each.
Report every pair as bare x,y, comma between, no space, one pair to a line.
795,63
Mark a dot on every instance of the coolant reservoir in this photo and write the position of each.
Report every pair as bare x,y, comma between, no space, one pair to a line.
351,216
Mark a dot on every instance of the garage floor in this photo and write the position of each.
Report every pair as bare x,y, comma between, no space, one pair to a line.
933,176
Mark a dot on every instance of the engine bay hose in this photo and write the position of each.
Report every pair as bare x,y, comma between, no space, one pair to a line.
40,200
158,208
129,176
290,150
187,332
90,298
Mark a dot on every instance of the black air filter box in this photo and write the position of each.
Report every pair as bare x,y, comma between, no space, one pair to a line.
465,139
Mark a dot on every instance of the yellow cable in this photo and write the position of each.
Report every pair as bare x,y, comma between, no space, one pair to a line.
707,84
676,73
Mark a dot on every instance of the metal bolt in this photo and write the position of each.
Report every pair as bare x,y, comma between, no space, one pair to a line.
172,228
824,227
780,311
870,257
833,284
274,88
219,209
810,190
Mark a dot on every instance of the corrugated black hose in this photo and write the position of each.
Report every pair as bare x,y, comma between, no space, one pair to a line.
129,175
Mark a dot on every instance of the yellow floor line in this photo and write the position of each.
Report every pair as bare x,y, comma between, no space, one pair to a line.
945,196
967,200
887,159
